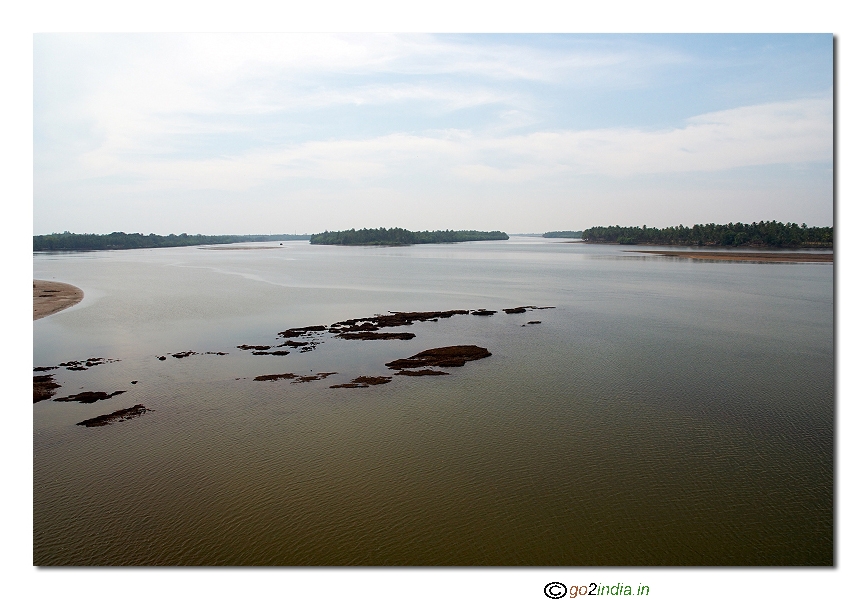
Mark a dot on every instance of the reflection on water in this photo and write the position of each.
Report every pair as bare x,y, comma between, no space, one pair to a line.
666,412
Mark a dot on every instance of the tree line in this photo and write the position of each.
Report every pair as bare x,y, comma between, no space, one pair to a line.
397,236
762,234
563,234
126,241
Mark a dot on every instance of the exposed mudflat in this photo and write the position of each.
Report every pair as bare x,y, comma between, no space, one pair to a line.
50,297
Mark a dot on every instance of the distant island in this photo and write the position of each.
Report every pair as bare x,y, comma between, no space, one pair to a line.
398,236
564,234
127,241
762,234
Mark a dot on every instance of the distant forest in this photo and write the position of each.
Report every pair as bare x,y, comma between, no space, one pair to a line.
762,234
127,241
398,236
566,234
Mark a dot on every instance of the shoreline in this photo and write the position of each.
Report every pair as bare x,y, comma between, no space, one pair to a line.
790,257
50,297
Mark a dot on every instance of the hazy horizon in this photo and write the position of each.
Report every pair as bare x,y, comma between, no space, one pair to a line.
300,133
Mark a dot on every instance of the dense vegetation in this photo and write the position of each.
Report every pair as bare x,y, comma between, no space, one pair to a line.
398,236
762,234
126,241
566,234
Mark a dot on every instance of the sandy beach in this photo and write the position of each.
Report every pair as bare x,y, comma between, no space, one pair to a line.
50,297
742,256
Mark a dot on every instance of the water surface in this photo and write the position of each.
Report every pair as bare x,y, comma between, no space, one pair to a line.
665,412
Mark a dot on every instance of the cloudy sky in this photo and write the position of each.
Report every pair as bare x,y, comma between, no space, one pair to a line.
258,133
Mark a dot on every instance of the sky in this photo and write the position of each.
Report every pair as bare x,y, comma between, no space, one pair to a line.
301,133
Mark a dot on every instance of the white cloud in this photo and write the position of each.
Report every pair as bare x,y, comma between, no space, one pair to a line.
778,133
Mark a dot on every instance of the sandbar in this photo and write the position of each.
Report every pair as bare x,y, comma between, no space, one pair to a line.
50,297
742,256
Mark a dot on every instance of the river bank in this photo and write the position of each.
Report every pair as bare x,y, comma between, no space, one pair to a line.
50,297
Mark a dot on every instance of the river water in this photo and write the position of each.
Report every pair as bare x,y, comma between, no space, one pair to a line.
665,412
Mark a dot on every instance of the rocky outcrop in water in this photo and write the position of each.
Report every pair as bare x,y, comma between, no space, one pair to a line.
118,416
295,378
301,331
423,372
451,356
85,364
363,382
394,319
44,387
89,396
369,336
275,377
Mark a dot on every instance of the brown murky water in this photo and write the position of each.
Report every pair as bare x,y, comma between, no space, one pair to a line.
666,412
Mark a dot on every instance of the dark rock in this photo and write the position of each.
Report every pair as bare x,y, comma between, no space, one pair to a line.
484,312
394,319
423,372
44,368
255,347
88,363
275,377
44,387
118,416
514,310
184,354
89,396
290,343
313,377
451,356
363,381
133,382
299,331
160,357
368,336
